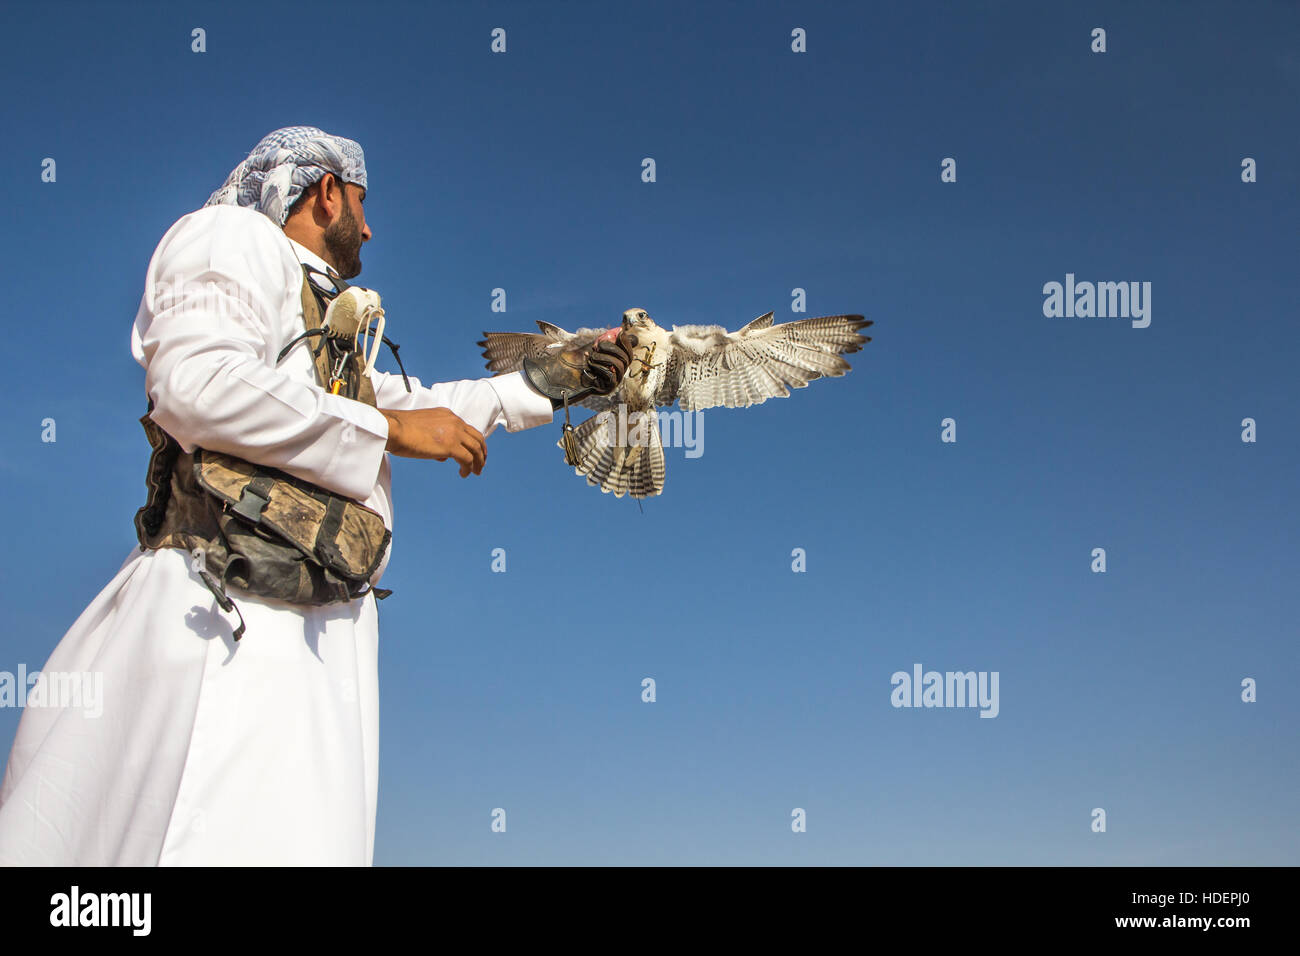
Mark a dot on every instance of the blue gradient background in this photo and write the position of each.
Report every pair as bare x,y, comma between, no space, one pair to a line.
821,171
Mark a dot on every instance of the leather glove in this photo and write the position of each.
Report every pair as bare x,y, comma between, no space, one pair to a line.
608,362
581,372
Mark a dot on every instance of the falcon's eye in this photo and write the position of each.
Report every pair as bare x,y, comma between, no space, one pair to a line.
640,315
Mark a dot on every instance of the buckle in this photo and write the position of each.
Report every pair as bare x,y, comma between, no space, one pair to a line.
251,504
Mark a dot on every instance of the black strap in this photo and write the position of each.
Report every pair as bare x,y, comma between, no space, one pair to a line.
393,347
326,539
218,589
324,296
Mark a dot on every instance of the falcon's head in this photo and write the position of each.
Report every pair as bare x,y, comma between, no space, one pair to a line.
637,319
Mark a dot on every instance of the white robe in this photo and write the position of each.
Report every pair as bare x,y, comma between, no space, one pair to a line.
207,751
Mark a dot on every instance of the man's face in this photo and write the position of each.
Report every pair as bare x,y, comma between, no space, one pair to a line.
344,236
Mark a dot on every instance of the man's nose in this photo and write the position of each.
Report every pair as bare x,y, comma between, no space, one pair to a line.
366,233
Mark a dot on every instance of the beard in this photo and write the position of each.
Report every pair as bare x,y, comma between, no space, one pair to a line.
343,243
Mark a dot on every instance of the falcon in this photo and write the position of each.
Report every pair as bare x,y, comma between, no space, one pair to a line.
695,366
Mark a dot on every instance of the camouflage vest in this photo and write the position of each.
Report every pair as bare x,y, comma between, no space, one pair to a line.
259,529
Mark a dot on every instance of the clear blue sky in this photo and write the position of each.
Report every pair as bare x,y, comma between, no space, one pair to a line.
775,170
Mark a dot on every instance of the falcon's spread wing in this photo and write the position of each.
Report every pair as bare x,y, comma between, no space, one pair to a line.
710,366
506,351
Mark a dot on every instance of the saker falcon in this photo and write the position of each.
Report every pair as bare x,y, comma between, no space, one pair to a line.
697,366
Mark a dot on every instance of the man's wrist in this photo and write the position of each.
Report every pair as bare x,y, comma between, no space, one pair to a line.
394,427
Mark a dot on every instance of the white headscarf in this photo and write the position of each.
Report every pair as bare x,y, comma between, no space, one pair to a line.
284,164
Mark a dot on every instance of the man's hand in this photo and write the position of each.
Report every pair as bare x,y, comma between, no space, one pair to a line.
436,433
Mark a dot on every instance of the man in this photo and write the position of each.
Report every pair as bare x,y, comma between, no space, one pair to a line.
262,750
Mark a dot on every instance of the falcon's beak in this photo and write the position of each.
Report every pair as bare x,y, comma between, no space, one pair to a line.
636,319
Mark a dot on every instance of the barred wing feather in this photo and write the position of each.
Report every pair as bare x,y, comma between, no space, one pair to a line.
505,352
711,367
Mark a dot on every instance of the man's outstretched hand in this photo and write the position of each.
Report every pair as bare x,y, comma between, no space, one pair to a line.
437,433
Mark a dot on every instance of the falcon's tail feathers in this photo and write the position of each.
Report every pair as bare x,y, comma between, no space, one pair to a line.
623,454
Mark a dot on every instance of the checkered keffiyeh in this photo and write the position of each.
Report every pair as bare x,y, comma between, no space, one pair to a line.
285,163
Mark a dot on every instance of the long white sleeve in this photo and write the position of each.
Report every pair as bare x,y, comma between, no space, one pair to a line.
221,299
483,403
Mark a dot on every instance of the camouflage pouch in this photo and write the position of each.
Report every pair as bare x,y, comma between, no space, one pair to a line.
290,539
263,531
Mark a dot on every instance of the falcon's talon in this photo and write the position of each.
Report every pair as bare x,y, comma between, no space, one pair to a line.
647,362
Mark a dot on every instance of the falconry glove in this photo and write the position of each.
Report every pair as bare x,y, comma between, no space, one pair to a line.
569,377
572,376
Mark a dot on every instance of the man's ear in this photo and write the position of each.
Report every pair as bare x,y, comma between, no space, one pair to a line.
330,197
